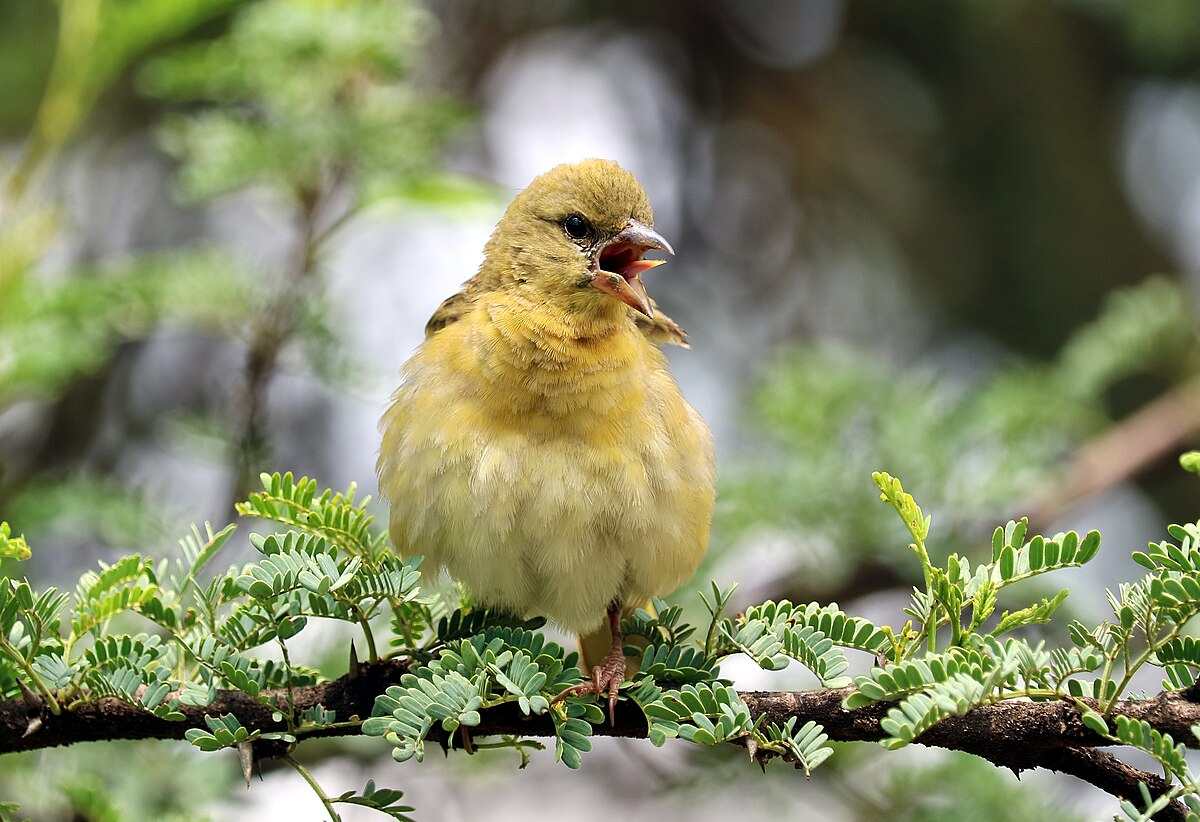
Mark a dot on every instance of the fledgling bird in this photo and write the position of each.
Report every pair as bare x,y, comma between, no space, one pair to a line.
538,447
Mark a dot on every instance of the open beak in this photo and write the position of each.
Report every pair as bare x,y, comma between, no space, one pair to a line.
618,265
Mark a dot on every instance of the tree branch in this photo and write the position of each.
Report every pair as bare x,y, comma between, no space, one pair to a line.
1115,777
1019,735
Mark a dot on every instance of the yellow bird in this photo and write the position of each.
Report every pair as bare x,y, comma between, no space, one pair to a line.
538,447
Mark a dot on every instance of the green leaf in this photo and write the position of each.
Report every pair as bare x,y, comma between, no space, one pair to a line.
1014,560
1095,721
920,711
224,732
126,585
775,632
1190,461
1179,651
805,747
893,493
1139,734
706,714
994,663
336,517
1033,615
676,664
12,547
572,739
383,800
522,678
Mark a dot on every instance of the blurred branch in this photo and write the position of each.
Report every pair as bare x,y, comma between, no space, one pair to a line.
871,575
1157,430
274,327
1012,734
96,41
63,106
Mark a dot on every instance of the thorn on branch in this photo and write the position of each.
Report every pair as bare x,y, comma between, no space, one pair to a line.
246,755
34,704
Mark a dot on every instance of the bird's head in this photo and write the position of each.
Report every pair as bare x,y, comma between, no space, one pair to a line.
578,234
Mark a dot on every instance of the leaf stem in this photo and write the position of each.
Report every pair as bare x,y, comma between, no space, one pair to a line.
43,689
316,788
365,623
291,700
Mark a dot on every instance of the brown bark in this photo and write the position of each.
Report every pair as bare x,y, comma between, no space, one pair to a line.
1015,734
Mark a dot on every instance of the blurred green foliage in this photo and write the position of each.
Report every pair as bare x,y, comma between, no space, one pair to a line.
317,101
55,329
121,781
1160,34
91,507
983,446
965,789
97,39
300,94
25,31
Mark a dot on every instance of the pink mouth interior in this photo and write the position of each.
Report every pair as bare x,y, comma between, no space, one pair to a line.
624,259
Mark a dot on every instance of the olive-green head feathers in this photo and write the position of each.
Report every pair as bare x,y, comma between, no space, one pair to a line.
600,191
577,234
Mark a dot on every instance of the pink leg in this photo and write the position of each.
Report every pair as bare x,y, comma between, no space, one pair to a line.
610,673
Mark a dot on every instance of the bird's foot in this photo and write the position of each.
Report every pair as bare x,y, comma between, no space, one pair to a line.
606,679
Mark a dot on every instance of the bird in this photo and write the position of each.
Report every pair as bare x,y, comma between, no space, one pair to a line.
538,448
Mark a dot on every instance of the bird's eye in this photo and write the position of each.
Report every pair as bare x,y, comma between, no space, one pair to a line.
576,227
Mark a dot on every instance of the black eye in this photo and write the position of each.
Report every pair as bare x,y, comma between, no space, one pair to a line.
576,227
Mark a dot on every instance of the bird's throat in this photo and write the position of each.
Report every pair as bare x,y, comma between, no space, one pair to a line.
560,363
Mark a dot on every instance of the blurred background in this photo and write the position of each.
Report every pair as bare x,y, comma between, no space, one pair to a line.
959,242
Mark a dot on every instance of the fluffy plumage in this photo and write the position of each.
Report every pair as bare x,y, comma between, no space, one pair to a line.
538,448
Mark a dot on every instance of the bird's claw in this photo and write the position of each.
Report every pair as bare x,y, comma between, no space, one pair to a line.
606,679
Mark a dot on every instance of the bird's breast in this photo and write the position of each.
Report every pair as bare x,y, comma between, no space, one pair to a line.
547,490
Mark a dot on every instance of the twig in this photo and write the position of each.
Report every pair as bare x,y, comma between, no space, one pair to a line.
316,787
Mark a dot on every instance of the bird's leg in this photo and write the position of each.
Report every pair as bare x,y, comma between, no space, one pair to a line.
610,673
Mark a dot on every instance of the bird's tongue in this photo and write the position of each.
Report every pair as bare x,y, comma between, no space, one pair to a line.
634,268
632,273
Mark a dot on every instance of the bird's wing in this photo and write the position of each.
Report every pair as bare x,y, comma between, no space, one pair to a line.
660,330
451,309
455,307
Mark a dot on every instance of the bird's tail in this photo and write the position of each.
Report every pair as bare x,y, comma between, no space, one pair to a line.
594,646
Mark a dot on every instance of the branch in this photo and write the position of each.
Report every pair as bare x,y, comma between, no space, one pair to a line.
1019,735
1115,777
110,718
